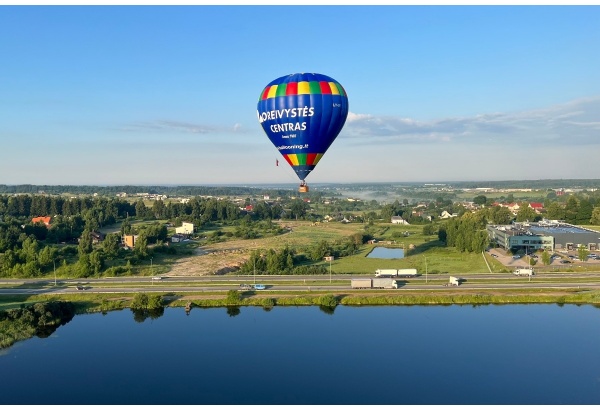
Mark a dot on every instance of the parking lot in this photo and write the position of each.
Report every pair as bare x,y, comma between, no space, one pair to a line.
559,259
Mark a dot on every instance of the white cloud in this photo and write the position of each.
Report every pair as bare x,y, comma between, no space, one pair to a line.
575,122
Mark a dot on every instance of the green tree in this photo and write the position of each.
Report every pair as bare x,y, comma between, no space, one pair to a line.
141,211
141,246
526,213
595,219
233,298
546,257
582,253
500,215
96,262
571,209
110,245
480,200
555,211
85,243
298,209
584,212
158,209
139,302
155,302
328,300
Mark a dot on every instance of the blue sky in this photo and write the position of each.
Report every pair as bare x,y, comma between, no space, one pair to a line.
114,95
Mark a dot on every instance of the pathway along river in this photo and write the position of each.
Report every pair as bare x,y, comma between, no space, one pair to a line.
504,354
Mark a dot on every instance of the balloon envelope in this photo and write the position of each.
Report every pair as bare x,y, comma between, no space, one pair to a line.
302,114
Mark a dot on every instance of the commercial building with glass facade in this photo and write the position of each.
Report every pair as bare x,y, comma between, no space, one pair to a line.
549,235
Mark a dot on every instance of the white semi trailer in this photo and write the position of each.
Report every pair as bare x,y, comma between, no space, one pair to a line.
391,273
407,273
375,283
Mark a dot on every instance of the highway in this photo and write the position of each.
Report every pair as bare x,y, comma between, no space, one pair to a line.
472,281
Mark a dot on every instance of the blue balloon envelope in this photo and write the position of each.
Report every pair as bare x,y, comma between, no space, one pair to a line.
302,114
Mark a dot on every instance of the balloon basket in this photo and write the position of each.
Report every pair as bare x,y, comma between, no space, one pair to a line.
303,188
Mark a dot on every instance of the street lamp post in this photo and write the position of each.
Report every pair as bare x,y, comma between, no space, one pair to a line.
330,269
425,268
54,263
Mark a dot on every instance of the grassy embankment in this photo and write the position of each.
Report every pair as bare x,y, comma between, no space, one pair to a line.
97,302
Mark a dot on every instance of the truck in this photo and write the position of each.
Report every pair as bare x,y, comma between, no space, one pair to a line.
384,283
363,283
407,273
374,283
524,272
453,281
390,273
386,273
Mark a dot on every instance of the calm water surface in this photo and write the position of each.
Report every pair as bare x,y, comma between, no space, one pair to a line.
516,354
380,252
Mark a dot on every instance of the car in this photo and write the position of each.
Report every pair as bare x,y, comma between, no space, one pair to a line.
259,287
156,277
516,256
565,261
494,255
80,287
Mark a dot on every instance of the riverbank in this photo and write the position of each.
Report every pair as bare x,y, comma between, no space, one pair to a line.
102,302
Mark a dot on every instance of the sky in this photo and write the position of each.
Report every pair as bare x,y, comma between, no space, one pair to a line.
167,95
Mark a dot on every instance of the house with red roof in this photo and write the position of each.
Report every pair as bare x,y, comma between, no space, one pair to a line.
537,206
42,219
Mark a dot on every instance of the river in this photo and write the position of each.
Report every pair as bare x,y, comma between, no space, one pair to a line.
484,355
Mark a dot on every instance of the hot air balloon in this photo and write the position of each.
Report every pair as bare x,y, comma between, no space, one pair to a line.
302,114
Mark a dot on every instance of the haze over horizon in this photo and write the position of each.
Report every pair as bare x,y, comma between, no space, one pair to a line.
132,95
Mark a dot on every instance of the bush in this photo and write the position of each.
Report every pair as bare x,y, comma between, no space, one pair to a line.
268,302
328,300
233,298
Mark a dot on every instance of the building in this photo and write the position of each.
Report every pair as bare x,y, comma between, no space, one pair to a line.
97,237
42,219
399,220
129,240
548,235
186,228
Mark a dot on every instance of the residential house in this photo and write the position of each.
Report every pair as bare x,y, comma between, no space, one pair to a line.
399,220
42,219
186,228
538,207
97,237
129,240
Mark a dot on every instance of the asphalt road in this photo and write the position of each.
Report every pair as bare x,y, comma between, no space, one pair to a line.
284,283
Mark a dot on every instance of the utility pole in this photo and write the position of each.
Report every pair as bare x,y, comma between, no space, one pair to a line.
54,263
425,268
330,257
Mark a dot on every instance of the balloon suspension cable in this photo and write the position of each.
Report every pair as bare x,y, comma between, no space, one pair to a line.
288,171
